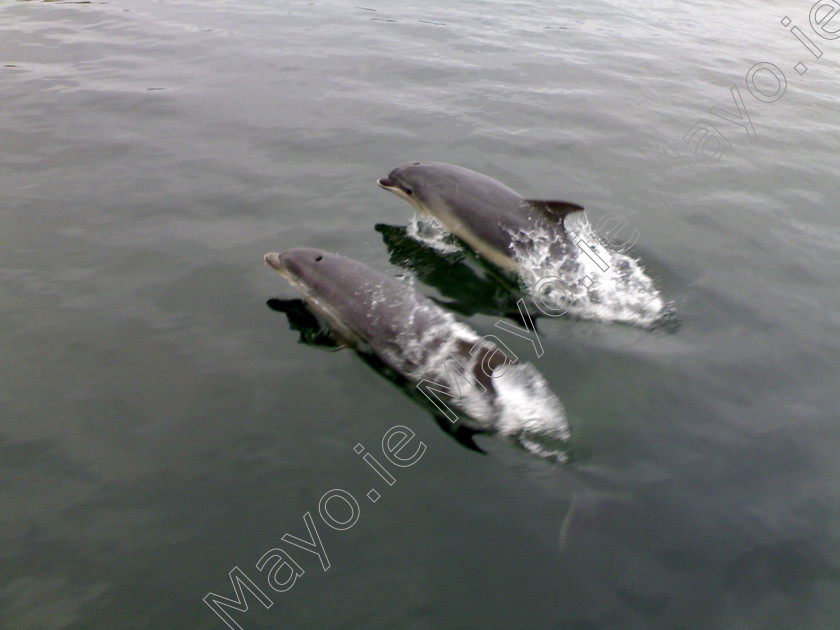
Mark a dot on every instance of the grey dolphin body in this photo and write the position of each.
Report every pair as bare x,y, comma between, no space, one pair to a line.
412,335
482,212
373,312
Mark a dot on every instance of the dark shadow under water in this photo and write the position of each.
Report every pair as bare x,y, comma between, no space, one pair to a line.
489,292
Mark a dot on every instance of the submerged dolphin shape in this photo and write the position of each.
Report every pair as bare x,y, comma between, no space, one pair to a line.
484,213
490,389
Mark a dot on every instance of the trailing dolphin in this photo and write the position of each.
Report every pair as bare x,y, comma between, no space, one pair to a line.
488,387
484,213
564,268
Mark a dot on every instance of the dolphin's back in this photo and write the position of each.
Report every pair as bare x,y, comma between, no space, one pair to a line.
380,311
471,195
479,207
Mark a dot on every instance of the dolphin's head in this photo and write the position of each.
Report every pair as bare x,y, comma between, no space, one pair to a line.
307,270
419,183
294,263
324,280
317,275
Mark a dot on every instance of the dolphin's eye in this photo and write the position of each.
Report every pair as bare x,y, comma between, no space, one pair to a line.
408,191
319,259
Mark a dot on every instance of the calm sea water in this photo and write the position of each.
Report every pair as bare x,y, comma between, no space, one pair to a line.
161,426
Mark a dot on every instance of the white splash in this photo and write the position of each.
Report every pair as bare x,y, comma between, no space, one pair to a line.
430,231
577,276
530,412
518,403
586,280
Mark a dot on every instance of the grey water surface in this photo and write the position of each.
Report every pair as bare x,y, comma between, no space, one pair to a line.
161,426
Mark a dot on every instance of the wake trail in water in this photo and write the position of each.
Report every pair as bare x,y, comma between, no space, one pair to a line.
571,274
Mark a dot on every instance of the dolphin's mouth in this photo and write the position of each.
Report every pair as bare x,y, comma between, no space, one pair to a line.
400,191
393,187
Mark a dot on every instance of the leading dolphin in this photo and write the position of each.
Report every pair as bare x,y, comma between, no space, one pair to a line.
378,314
484,213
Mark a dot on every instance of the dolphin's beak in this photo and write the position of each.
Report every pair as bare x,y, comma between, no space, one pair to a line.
385,183
275,261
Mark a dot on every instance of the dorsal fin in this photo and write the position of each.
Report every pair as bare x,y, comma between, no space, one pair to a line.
554,209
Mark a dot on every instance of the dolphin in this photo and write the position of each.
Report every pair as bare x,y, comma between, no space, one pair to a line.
490,389
484,213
